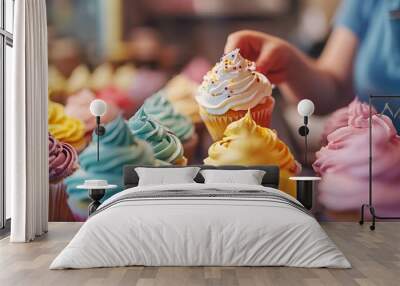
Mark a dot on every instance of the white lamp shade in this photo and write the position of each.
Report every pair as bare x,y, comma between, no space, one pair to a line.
305,107
98,107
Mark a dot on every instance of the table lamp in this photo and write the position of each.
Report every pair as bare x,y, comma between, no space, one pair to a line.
305,108
98,108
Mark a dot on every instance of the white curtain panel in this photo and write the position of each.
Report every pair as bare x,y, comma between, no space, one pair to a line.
26,115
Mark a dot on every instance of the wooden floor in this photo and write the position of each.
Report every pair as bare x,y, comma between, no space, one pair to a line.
375,257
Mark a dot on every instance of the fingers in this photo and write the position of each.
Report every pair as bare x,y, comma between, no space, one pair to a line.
267,51
249,43
234,41
271,64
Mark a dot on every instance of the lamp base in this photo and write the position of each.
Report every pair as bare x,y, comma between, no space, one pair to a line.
96,195
374,216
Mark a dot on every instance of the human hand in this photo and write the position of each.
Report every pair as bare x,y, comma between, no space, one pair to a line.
274,57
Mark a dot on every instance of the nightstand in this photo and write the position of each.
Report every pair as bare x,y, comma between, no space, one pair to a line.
305,190
97,190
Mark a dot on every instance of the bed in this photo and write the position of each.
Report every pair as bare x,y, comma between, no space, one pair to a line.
201,224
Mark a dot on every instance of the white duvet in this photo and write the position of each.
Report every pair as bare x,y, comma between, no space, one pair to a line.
200,231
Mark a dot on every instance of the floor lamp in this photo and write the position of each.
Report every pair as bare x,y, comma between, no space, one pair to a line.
370,204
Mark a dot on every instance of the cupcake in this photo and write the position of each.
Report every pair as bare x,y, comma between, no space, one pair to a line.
338,119
247,143
124,77
118,147
64,128
101,77
230,89
78,107
344,164
62,163
160,109
118,97
57,85
196,69
78,80
166,145
180,91
145,83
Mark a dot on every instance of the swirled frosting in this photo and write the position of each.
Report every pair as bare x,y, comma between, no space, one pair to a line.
64,128
117,147
344,162
180,91
166,145
78,107
78,80
247,143
340,118
232,84
159,108
62,160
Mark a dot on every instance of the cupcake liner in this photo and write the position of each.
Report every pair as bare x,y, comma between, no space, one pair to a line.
189,147
216,124
58,206
181,162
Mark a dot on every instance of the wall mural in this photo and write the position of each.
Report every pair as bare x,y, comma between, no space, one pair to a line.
223,120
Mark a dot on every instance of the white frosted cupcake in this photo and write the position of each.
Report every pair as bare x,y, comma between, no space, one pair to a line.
229,90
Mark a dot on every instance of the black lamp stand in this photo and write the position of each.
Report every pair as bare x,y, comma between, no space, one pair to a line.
303,131
100,131
96,195
370,205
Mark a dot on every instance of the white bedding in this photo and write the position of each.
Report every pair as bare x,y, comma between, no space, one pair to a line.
183,231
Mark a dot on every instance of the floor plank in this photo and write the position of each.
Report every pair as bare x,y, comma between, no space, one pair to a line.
375,257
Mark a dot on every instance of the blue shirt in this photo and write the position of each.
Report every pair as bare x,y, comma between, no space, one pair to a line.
376,23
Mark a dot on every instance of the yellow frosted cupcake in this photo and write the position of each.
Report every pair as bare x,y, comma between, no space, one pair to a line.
180,91
57,85
78,80
102,77
64,128
232,87
247,143
124,76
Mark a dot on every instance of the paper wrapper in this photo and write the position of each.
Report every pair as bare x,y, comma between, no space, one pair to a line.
58,206
216,124
190,147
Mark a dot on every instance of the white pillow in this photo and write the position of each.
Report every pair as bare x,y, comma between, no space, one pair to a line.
166,176
248,177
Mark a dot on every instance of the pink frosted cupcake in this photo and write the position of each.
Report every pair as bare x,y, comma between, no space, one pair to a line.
119,98
78,107
145,83
62,163
338,119
344,164
196,69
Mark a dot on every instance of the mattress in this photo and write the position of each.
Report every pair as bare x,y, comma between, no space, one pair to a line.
201,225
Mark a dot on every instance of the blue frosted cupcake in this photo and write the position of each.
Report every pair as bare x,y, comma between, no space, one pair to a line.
159,108
118,147
166,145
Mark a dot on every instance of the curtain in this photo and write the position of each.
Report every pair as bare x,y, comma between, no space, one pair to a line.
26,124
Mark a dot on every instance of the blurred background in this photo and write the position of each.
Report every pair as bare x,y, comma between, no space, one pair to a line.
162,38
140,45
